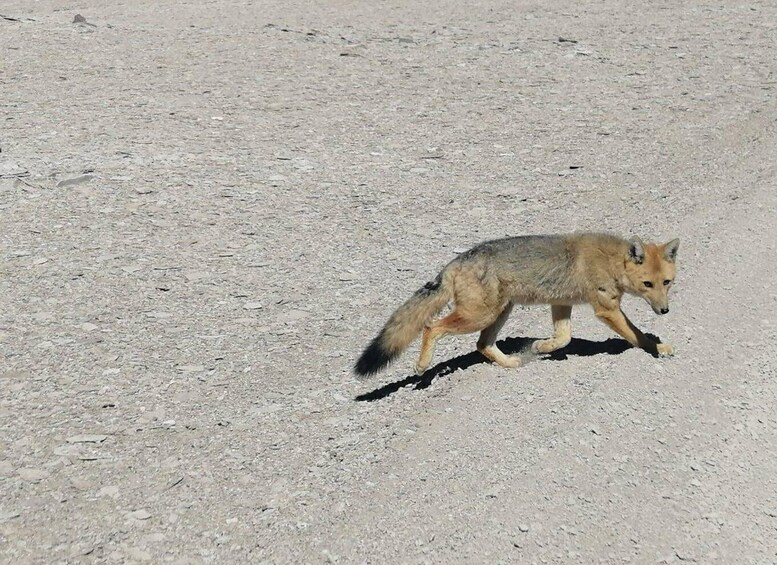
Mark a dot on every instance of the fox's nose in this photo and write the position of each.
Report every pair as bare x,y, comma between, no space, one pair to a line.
665,310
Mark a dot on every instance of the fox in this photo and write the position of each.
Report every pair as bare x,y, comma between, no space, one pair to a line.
483,284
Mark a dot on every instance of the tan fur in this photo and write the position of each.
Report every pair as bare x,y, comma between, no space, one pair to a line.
561,270
408,320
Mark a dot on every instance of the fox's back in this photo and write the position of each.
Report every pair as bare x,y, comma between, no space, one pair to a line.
541,268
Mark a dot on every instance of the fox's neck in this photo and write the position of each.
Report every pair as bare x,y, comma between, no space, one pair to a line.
625,284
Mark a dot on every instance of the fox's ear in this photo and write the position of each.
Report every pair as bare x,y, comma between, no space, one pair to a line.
670,250
636,250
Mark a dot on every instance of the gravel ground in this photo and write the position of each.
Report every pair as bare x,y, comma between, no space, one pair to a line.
209,208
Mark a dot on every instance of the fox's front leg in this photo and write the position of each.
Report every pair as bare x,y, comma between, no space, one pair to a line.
562,331
617,320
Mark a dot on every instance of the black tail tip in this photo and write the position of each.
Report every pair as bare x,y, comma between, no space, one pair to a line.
373,359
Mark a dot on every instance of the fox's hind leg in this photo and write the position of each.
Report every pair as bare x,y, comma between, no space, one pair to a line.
478,304
460,321
457,322
487,339
562,331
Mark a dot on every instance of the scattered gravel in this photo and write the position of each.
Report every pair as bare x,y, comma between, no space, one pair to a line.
209,209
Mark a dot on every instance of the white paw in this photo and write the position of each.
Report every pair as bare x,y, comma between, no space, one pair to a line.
511,362
542,346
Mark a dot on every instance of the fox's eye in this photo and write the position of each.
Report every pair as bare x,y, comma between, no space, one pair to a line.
647,284
666,282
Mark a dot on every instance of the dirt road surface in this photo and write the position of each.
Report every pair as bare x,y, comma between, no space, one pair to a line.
208,208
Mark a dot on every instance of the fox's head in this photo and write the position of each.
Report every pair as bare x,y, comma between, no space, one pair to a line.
650,272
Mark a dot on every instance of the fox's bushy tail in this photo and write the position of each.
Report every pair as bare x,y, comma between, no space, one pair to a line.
403,326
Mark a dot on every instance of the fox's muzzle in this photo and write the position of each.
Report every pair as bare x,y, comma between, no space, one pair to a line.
660,309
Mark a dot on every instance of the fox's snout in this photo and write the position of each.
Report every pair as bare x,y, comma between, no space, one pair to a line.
659,306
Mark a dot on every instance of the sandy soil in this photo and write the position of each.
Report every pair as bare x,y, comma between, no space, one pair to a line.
208,209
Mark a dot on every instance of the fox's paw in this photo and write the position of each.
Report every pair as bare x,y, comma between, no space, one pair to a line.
544,346
548,345
492,353
420,369
509,362
664,349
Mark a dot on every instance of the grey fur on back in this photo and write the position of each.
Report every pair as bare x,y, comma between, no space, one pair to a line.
537,268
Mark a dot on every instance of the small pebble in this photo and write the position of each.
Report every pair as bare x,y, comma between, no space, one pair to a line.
191,368
33,475
111,490
140,515
87,438
73,181
138,554
8,515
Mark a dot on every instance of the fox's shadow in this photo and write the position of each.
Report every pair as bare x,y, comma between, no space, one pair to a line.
511,345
